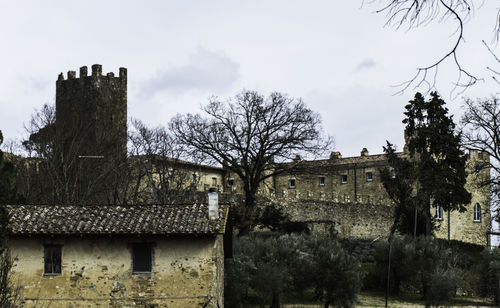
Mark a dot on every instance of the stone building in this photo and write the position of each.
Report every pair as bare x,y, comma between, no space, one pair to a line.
347,194
344,193
119,256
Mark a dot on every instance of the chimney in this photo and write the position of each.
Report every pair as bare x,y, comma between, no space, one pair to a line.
335,155
213,204
364,152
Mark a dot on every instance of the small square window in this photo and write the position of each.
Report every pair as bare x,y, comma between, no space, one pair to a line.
291,183
52,259
230,182
369,176
141,258
321,181
343,178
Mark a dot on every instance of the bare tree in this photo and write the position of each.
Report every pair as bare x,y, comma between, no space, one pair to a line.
416,13
158,174
58,173
481,131
248,134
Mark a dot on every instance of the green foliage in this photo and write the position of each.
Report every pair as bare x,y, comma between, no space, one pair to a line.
489,274
421,264
267,268
334,273
433,170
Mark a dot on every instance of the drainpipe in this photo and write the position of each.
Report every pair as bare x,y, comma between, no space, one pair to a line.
448,225
355,185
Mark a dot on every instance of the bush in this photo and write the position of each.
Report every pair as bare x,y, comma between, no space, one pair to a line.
421,264
489,274
266,268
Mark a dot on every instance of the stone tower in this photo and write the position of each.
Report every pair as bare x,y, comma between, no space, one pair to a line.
91,114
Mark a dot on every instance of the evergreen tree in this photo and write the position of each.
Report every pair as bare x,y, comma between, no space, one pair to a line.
431,171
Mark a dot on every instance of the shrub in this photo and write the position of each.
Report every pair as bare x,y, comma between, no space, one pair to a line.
422,264
266,268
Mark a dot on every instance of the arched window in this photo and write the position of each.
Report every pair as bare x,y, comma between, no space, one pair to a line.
439,212
477,212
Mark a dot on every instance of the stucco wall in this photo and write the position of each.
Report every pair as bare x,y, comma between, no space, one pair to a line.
97,272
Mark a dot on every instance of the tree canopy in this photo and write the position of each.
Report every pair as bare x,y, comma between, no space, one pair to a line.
431,171
248,134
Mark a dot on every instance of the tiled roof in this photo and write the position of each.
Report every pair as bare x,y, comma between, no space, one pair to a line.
345,161
113,219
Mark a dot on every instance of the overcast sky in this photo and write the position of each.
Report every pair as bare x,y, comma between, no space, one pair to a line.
335,55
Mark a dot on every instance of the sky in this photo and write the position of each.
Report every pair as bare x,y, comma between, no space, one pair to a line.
336,56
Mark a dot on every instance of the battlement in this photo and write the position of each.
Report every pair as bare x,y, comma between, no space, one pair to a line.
93,107
96,74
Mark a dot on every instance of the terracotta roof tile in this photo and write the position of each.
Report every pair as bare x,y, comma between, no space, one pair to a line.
115,219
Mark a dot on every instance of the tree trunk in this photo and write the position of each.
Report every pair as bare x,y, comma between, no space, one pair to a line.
327,304
275,303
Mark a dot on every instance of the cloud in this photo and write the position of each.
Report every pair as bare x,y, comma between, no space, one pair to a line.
365,64
204,70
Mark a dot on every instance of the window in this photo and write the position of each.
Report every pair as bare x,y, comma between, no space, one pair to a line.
141,258
52,259
393,174
321,181
343,178
214,182
193,178
369,176
439,212
477,212
230,182
291,183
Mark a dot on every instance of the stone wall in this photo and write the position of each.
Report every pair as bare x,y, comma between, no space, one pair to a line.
371,221
355,220
96,272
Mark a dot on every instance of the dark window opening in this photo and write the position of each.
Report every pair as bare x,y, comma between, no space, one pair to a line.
369,176
230,182
393,174
214,182
439,212
142,258
321,181
344,178
52,259
291,183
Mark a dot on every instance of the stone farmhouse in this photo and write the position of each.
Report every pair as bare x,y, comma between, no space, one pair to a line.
119,256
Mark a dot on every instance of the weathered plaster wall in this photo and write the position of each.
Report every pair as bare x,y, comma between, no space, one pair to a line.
97,272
